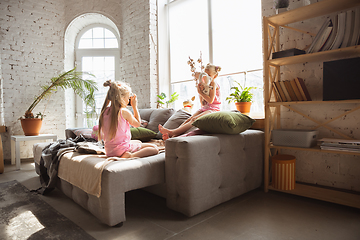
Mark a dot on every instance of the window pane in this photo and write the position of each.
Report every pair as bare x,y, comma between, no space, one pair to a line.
109,64
98,43
237,36
109,34
87,34
98,32
188,36
99,64
111,43
98,38
96,66
85,43
187,90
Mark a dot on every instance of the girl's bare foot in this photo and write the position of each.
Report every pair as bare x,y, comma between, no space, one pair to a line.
165,136
126,155
165,132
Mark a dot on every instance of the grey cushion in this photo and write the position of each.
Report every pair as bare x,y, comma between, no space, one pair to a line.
158,116
175,120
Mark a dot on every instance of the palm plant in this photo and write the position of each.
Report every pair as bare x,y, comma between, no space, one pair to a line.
241,94
84,88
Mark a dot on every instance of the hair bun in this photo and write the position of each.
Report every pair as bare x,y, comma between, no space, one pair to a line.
107,83
217,68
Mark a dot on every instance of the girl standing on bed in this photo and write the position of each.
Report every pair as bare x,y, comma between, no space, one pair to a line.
115,121
209,103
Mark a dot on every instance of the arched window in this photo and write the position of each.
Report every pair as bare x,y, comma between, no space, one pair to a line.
97,52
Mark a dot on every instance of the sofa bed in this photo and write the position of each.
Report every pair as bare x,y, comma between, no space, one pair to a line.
196,171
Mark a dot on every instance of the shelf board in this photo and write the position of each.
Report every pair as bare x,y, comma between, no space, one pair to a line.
324,194
336,54
324,7
315,149
313,102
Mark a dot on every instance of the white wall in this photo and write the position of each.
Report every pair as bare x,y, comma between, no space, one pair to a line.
339,170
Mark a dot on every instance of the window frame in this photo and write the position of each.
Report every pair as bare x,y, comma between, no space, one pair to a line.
93,52
164,40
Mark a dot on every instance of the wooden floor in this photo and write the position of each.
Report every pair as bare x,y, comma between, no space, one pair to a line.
255,215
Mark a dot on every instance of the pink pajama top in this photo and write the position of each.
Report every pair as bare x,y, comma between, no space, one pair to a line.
121,142
215,105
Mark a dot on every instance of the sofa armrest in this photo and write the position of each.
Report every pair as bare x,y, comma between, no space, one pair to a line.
204,171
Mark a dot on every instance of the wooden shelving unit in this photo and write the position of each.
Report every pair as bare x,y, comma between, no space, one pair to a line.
271,26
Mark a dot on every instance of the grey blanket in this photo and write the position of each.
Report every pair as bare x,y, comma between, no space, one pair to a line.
49,163
52,153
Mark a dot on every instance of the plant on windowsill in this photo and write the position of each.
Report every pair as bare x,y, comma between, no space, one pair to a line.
242,97
84,88
161,101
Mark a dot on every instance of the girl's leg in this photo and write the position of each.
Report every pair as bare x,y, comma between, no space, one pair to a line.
169,133
147,149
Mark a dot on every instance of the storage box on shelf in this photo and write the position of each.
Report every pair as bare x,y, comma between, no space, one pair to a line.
271,26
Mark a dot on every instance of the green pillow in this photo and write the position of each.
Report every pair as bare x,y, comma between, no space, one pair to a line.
142,134
224,122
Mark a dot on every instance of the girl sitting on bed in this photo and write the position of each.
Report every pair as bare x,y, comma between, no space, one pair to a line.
209,103
115,121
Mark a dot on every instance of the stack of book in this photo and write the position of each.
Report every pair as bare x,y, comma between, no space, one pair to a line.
291,90
339,31
340,144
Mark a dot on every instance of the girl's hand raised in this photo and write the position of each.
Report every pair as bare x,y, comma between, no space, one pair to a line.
133,101
200,88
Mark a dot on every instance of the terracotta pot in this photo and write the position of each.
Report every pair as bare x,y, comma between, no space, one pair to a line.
243,107
31,126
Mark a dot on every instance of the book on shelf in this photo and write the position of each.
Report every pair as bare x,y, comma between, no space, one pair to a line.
349,29
302,88
286,93
340,32
276,92
321,36
290,90
340,144
296,90
333,33
281,92
356,30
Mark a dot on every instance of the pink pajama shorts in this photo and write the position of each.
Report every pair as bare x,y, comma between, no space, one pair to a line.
119,150
135,145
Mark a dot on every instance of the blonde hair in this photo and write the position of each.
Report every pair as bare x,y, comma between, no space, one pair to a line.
115,97
214,69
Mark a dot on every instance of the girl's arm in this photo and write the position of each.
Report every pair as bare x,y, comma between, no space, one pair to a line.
134,120
211,96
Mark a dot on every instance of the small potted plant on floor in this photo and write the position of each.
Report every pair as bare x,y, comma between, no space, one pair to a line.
242,98
84,88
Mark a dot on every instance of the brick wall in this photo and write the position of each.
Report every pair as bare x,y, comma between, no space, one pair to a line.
336,170
32,50
31,40
136,21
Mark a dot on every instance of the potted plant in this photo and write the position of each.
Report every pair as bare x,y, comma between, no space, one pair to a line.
84,88
242,97
161,101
